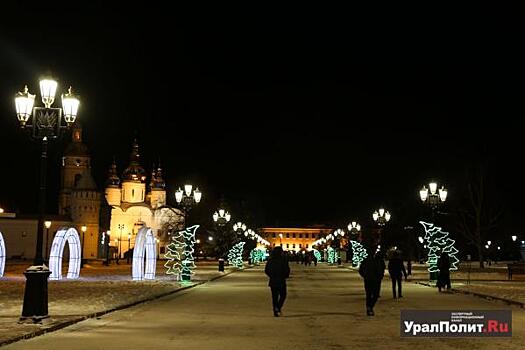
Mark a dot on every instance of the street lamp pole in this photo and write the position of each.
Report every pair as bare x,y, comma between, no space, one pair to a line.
46,123
84,229
381,218
48,225
121,227
129,246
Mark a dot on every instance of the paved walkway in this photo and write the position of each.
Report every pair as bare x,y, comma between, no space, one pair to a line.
325,310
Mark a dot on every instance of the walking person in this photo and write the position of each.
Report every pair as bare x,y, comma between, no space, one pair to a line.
278,270
380,259
396,269
444,272
371,272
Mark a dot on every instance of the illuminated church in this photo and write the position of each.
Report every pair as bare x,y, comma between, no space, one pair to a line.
133,205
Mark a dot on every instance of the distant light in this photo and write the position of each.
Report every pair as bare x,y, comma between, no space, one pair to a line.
46,223
198,241
420,239
210,238
1,210
489,242
486,246
499,248
514,238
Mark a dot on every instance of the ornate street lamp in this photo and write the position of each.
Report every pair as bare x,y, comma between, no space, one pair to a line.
432,197
221,217
188,198
239,228
354,228
381,216
45,124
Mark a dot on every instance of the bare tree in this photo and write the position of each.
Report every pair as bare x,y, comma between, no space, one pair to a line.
479,214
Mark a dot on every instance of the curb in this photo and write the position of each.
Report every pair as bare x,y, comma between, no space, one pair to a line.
78,319
480,295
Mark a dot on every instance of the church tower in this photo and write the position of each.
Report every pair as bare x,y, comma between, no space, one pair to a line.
134,179
113,192
158,188
75,162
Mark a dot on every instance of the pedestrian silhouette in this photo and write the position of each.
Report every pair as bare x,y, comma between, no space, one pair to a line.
396,269
278,270
444,272
372,273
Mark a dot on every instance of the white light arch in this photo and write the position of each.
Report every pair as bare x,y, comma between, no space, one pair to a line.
69,235
145,245
2,255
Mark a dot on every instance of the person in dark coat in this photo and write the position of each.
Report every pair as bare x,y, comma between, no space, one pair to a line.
370,270
396,269
380,259
278,270
443,265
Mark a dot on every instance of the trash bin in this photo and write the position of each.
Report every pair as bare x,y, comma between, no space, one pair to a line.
221,265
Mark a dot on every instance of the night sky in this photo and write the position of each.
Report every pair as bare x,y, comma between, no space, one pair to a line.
297,120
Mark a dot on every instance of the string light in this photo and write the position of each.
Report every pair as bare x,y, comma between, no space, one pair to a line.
358,253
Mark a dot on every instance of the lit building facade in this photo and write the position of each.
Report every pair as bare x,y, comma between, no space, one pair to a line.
134,206
296,239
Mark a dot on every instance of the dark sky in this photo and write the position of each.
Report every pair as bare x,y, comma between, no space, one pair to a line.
316,118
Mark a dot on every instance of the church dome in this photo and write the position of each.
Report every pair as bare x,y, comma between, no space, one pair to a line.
134,172
113,179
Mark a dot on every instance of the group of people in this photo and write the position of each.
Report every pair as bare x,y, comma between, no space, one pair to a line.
372,269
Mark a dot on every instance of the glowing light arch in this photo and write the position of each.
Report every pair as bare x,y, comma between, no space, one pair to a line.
145,244
69,235
2,255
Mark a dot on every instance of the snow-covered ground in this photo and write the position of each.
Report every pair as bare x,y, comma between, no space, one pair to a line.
324,310
98,289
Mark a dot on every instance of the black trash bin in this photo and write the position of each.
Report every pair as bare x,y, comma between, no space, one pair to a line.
221,265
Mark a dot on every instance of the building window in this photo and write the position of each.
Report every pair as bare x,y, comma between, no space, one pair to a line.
142,194
300,245
133,193
300,235
307,246
293,235
287,235
287,245
293,246
274,235
306,235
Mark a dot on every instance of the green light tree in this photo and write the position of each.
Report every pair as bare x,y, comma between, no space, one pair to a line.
358,253
235,255
187,255
174,253
439,242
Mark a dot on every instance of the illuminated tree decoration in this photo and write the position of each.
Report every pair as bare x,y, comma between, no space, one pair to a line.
332,255
358,253
174,255
317,254
257,255
2,255
69,235
439,242
145,247
235,255
188,260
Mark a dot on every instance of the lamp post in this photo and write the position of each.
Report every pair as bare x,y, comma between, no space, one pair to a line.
432,197
83,229
221,218
187,199
120,227
381,217
338,234
48,225
129,247
46,124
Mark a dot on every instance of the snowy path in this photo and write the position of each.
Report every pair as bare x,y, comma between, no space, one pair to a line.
324,310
